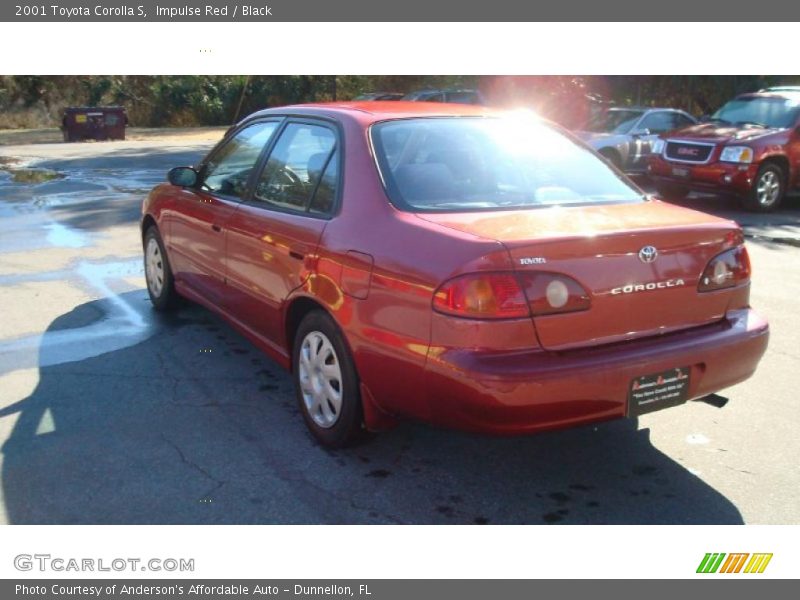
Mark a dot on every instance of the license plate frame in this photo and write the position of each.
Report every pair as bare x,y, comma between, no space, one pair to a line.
681,172
656,391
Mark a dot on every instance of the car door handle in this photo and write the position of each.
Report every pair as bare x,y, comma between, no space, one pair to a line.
216,228
296,254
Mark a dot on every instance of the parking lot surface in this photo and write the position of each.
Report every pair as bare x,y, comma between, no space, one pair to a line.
111,413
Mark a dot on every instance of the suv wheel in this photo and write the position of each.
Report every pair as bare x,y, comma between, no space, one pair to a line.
326,382
672,192
768,189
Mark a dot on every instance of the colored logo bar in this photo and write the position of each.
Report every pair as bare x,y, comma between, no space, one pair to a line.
737,562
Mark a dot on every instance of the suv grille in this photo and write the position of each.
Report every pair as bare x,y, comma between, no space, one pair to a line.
688,152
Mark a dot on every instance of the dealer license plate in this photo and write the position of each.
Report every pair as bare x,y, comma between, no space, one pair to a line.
660,390
680,172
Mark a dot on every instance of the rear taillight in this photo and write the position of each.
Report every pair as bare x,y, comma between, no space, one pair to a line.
507,295
725,270
482,296
551,293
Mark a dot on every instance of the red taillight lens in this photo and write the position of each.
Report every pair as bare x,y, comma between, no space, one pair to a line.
482,296
725,270
550,293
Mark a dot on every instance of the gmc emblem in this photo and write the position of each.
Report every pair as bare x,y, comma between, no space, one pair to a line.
684,151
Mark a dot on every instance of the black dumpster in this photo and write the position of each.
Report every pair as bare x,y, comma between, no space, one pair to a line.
94,123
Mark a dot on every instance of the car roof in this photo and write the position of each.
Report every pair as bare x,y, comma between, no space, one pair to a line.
371,112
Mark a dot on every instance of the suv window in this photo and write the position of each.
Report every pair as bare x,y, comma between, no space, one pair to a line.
229,168
658,122
295,168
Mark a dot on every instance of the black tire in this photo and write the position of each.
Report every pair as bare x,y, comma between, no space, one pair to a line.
348,426
672,192
613,157
758,200
165,297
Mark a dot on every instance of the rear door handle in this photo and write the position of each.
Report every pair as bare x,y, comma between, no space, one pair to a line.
216,228
296,254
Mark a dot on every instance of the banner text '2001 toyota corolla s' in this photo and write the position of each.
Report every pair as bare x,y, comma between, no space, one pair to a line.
451,264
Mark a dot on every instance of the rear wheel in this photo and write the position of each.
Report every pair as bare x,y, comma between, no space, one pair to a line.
326,382
768,189
157,272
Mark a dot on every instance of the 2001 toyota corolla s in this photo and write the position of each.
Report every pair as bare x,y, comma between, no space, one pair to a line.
451,264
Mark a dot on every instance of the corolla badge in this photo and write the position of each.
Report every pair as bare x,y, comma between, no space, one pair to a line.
632,288
648,254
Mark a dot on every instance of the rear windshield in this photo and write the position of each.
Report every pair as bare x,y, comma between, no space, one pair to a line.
457,164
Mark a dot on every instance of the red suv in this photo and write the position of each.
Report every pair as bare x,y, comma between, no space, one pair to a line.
452,264
749,148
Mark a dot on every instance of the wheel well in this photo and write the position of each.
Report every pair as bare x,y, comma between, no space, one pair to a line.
147,223
783,163
297,311
612,155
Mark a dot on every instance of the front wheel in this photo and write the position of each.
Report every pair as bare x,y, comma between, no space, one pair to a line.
157,272
768,189
326,382
672,192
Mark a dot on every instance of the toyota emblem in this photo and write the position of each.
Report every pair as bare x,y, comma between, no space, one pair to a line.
648,254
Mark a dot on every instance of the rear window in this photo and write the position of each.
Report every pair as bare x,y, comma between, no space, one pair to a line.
459,164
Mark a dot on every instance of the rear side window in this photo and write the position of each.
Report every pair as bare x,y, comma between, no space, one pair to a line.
457,164
658,122
299,163
324,200
682,121
229,169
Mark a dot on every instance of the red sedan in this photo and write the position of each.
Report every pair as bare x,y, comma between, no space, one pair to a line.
451,264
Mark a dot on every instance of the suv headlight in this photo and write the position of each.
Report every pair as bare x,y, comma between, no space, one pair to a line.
737,154
657,147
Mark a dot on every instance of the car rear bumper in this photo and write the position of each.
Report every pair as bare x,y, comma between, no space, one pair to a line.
527,391
715,177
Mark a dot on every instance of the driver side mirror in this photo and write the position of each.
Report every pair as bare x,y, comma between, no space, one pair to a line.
183,176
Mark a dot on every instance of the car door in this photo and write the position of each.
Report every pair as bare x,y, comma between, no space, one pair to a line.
272,237
196,241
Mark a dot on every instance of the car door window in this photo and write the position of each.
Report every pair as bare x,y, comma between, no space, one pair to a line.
228,170
296,165
657,122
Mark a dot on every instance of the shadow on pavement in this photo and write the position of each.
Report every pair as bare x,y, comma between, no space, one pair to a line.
193,425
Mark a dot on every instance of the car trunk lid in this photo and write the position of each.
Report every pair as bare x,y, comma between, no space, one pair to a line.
599,247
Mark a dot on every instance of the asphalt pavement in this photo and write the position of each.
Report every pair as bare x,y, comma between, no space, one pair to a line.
111,413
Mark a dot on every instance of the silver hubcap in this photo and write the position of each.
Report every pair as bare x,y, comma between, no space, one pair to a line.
768,188
320,379
154,268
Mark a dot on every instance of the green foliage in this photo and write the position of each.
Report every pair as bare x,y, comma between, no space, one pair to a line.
184,100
